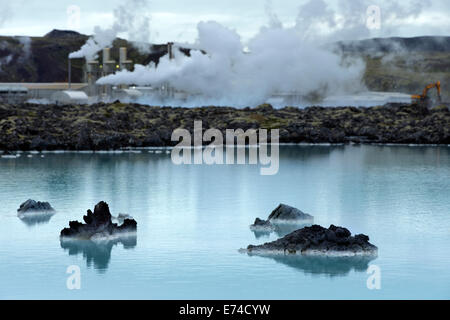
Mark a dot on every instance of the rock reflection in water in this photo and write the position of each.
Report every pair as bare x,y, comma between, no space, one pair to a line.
322,265
97,253
32,219
280,230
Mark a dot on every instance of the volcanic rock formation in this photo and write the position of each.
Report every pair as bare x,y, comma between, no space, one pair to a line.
34,206
316,240
282,214
98,225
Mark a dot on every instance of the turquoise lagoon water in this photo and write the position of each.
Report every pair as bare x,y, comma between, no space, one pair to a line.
193,219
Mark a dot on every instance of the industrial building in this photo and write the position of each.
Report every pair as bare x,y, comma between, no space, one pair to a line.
43,92
13,93
94,70
77,93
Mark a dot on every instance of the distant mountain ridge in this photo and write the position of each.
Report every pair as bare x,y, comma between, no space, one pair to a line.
57,34
389,45
44,59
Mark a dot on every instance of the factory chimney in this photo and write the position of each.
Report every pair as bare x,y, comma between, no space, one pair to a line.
109,67
170,50
69,78
108,64
167,90
91,76
124,63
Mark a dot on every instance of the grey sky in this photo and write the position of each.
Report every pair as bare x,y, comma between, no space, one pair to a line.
176,20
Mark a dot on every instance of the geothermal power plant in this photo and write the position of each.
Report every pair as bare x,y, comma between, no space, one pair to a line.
79,93
90,91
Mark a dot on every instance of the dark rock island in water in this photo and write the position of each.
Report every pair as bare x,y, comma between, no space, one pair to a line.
283,214
316,240
34,206
33,212
98,225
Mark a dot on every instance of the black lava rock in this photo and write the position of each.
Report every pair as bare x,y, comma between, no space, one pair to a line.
319,240
34,206
262,225
98,224
110,126
260,222
288,213
282,214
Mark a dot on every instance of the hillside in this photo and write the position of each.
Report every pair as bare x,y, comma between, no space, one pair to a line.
390,45
403,64
39,59
44,59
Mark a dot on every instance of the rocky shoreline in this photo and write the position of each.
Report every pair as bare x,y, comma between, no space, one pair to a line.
117,125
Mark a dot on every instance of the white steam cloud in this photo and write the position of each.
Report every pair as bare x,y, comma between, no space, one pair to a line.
5,61
26,46
25,42
130,18
279,60
5,12
347,20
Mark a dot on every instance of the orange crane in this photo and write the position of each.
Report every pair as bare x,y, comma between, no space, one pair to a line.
424,98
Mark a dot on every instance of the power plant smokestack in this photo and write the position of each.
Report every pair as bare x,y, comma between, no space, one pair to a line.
69,78
124,63
170,50
108,64
166,89
91,76
108,68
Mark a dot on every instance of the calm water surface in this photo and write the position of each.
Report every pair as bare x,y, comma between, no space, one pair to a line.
193,219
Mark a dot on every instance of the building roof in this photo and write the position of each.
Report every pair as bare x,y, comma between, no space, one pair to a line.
10,88
46,86
73,95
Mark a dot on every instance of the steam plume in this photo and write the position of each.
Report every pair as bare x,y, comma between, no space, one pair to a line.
130,18
5,12
280,60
